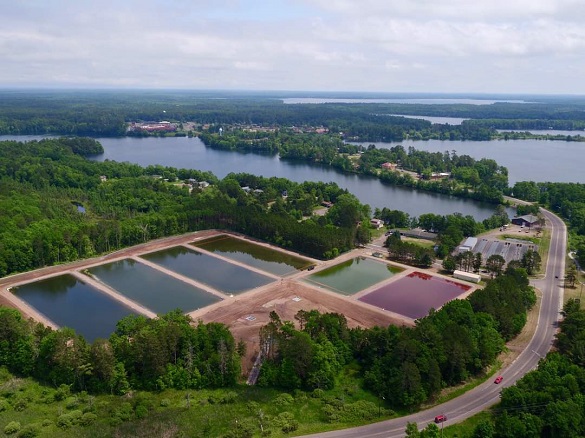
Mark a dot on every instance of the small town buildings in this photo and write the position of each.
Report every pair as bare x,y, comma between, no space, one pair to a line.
415,233
468,245
528,220
389,166
377,223
440,175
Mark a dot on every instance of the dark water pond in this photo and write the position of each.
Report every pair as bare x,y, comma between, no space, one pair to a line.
153,289
219,274
414,295
353,275
69,302
260,257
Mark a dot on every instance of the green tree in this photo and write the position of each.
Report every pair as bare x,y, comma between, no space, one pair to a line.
449,264
531,261
495,264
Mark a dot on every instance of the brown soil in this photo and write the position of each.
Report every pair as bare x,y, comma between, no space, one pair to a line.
282,298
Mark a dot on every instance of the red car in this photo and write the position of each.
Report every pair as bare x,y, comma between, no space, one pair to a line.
440,418
498,379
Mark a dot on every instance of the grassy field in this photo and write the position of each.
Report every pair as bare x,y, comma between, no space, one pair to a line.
45,411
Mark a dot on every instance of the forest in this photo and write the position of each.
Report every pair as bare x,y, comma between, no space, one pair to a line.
106,113
43,182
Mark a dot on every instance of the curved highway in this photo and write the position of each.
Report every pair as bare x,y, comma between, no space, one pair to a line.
488,394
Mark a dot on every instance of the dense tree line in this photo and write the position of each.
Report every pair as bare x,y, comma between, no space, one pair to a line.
406,366
150,354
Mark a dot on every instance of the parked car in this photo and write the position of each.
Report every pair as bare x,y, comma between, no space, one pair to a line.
498,380
440,418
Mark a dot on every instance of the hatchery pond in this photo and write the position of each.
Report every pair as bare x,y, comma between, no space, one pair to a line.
219,274
150,288
415,294
69,302
260,257
352,276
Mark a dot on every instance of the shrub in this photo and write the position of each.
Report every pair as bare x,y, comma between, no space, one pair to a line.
165,402
65,421
144,399
46,423
347,413
141,411
123,413
4,405
12,427
286,421
283,399
62,392
19,404
71,403
29,431
87,419
317,393
299,395
252,407
229,397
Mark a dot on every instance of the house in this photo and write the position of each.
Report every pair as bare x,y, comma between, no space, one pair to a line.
103,178
377,223
528,220
327,204
389,166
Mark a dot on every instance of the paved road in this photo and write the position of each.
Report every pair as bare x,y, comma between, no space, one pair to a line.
488,393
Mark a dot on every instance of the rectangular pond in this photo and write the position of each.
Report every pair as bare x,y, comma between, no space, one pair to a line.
69,302
153,289
257,256
414,295
219,274
353,275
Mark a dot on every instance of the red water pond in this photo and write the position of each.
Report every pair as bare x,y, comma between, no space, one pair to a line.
414,295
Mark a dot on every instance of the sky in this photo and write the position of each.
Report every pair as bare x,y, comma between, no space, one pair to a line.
440,46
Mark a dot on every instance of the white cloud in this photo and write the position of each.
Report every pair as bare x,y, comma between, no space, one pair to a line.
403,45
